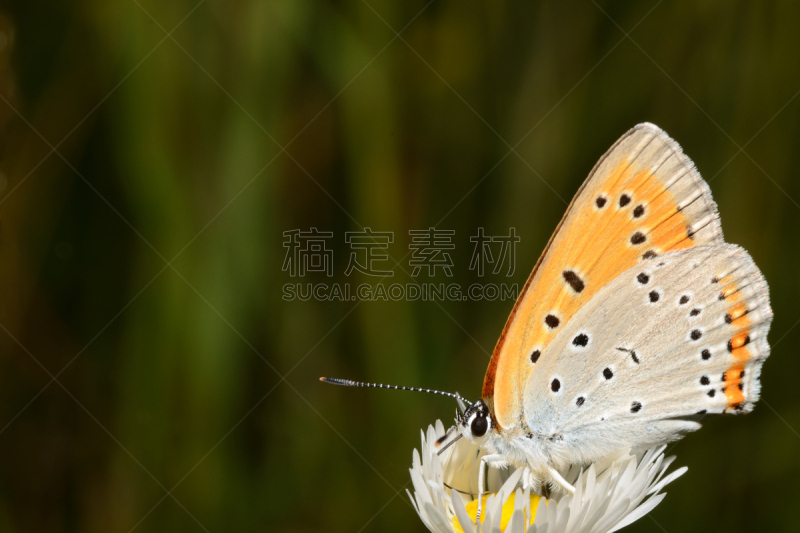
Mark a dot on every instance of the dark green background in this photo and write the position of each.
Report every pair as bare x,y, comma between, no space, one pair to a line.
140,262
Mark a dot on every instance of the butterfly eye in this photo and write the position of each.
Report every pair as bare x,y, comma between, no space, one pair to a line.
479,426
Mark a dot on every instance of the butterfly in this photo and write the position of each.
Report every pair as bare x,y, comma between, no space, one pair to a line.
637,321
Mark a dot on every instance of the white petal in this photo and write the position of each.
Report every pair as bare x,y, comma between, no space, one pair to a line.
563,519
540,517
669,479
464,520
517,522
612,515
413,501
639,512
438,522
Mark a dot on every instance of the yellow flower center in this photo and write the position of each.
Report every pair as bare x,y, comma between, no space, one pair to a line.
508,510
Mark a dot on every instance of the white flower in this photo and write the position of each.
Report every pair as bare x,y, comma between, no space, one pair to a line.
609,495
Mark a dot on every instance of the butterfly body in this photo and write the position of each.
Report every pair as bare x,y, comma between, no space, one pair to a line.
637,321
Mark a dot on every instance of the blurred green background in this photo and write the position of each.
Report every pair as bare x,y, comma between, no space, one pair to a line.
153,154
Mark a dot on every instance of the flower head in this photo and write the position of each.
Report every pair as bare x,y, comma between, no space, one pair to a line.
609,494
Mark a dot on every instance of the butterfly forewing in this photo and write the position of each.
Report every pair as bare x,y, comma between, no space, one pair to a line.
673,337
643,199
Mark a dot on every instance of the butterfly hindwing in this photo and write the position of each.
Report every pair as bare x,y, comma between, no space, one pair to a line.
672,338
643,199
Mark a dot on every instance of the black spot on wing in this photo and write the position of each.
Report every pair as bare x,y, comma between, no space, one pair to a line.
552,321
573,280
633,354
580,340
638,238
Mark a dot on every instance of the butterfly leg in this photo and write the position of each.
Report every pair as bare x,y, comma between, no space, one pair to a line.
494,458
560,481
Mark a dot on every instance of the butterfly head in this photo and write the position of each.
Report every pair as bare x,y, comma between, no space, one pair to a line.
476,422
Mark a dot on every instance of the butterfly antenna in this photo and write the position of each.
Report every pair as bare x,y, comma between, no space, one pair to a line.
440,452
349,383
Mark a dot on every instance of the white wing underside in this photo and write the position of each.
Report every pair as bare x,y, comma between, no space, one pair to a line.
647,402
